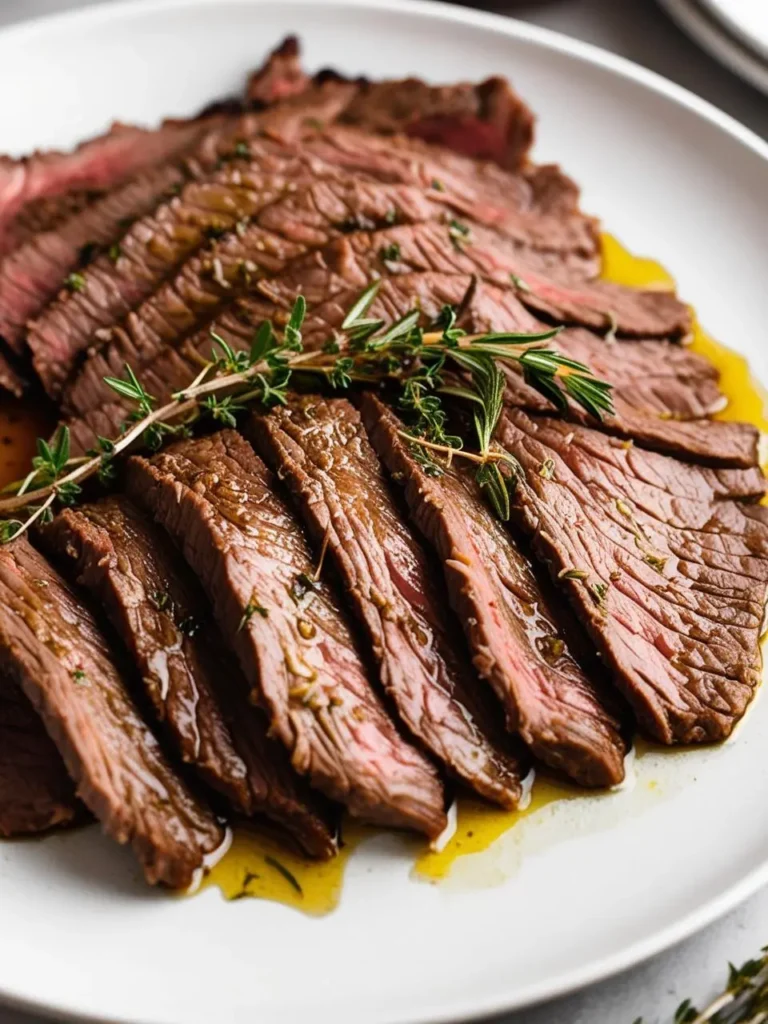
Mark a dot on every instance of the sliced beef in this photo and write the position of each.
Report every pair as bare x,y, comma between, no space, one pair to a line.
711,442
488,121
462,248
674,383
96,164
44,214
36,793
510,203
657,481
33,274
219,501
399,158
515,632
51,644
482,192
220,204
318,446
672,590
156,244
193,684
307,216
280,77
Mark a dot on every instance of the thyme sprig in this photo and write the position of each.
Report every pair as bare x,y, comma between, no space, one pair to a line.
744,1001
365,350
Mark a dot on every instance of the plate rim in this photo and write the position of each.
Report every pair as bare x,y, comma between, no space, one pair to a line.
719,40
593,55
757,44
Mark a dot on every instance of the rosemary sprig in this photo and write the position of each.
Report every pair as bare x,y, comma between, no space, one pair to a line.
365,351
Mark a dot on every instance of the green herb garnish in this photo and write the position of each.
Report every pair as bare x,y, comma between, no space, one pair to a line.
364,350
75,282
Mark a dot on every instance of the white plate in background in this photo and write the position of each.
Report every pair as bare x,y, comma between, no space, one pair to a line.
591,886
745,18
732,41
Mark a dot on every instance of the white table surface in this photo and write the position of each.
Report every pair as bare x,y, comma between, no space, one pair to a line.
639,30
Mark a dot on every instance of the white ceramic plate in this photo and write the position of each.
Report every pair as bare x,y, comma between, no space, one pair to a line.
731,40
576,892
746,18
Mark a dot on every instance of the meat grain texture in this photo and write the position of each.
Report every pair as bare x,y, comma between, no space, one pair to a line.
295,644
628,589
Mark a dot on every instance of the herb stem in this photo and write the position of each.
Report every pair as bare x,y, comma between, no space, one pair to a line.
481,459
366,350
714,1008
37,514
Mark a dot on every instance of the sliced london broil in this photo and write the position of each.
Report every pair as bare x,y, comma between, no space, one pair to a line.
219,501
216,278
671,583
545,221
36,271
457,247
159,242
51,644
514,629
318,446
488,120
155,244
98,163
36,792
71,206
195,687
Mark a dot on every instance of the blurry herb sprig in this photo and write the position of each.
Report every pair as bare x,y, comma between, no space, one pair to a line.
744,1001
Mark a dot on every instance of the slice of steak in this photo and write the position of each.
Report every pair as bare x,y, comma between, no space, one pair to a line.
219,501
671,593
99,163
487,121
280,77
318,446
156,244
514,632
193,684
480,191
462,248
36,793
710,442
51,644
662,486
35,272
44,214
